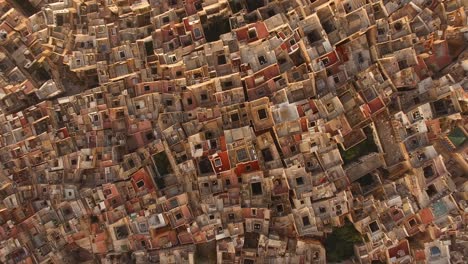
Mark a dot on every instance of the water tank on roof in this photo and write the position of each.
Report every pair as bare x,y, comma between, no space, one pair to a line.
3,35
27,64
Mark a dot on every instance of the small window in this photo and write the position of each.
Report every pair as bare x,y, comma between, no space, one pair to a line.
267,155
242,155
217,162
360,58
146,87
252,33
348,7
122,54
257,188
374,227
131,163
376,8
336,79
165,19
296,75
228,182
257,226
282,61
279,208
402,64
189,101
235,117
431,190
204,97
305,220
213,144
314,36
299,181
435,251
428,172
328,26
262,60
178,216
227,84
59,20
262,114
398,26
197,33
231,216
221,59
150,136
325,61
140,183
293,148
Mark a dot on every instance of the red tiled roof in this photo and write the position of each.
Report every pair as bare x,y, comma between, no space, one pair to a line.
400,250
304,125
268,73
241,167
426,216
375,105
332,58
225,163
145,177
262,31
419,255
185,238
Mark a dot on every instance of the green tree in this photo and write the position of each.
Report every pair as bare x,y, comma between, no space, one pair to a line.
340,243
